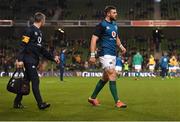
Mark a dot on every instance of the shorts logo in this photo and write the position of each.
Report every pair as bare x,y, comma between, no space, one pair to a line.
33,67
113,34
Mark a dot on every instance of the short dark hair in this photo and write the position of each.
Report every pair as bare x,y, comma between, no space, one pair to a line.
108,9
38,17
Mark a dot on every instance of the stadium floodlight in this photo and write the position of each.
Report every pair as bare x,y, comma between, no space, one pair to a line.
157,1
61,30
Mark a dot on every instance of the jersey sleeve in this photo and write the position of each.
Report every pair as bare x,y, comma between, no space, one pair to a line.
99,30
26,36
22,45
46,54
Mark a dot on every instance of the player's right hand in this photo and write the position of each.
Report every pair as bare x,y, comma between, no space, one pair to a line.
92,60
56,58
19,64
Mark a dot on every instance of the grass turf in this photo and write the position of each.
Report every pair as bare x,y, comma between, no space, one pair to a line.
147,99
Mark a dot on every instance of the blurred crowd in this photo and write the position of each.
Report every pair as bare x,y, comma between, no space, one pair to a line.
7,59
77,52
77,55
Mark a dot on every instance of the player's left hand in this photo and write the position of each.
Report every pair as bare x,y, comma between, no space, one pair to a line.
56,58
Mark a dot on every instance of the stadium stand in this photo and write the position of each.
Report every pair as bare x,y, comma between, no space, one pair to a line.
170,9
90,9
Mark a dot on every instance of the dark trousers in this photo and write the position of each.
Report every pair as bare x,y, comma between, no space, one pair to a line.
126,73
32,76
61,72
163,72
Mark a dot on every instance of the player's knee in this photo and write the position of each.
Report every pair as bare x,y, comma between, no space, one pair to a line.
110,71
105,77
112,77
112,74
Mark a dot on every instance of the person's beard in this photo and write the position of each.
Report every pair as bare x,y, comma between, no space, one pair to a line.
113,18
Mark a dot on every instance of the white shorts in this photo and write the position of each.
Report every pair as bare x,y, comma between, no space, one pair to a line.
172,68
178,67
108,61
118,68
175,68
151,67
138,67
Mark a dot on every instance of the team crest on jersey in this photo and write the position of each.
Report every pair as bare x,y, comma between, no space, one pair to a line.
165,59
107,27
113,34
36,33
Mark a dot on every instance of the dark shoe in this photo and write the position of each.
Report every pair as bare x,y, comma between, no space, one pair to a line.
44,105
18,106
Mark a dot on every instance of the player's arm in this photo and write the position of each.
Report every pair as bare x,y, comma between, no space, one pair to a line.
119,44
49,56
22,46
95,37
19,61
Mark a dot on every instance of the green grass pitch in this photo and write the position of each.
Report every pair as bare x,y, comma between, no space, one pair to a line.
147,99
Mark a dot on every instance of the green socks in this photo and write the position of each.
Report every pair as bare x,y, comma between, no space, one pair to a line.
112,86
98,88
113,89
